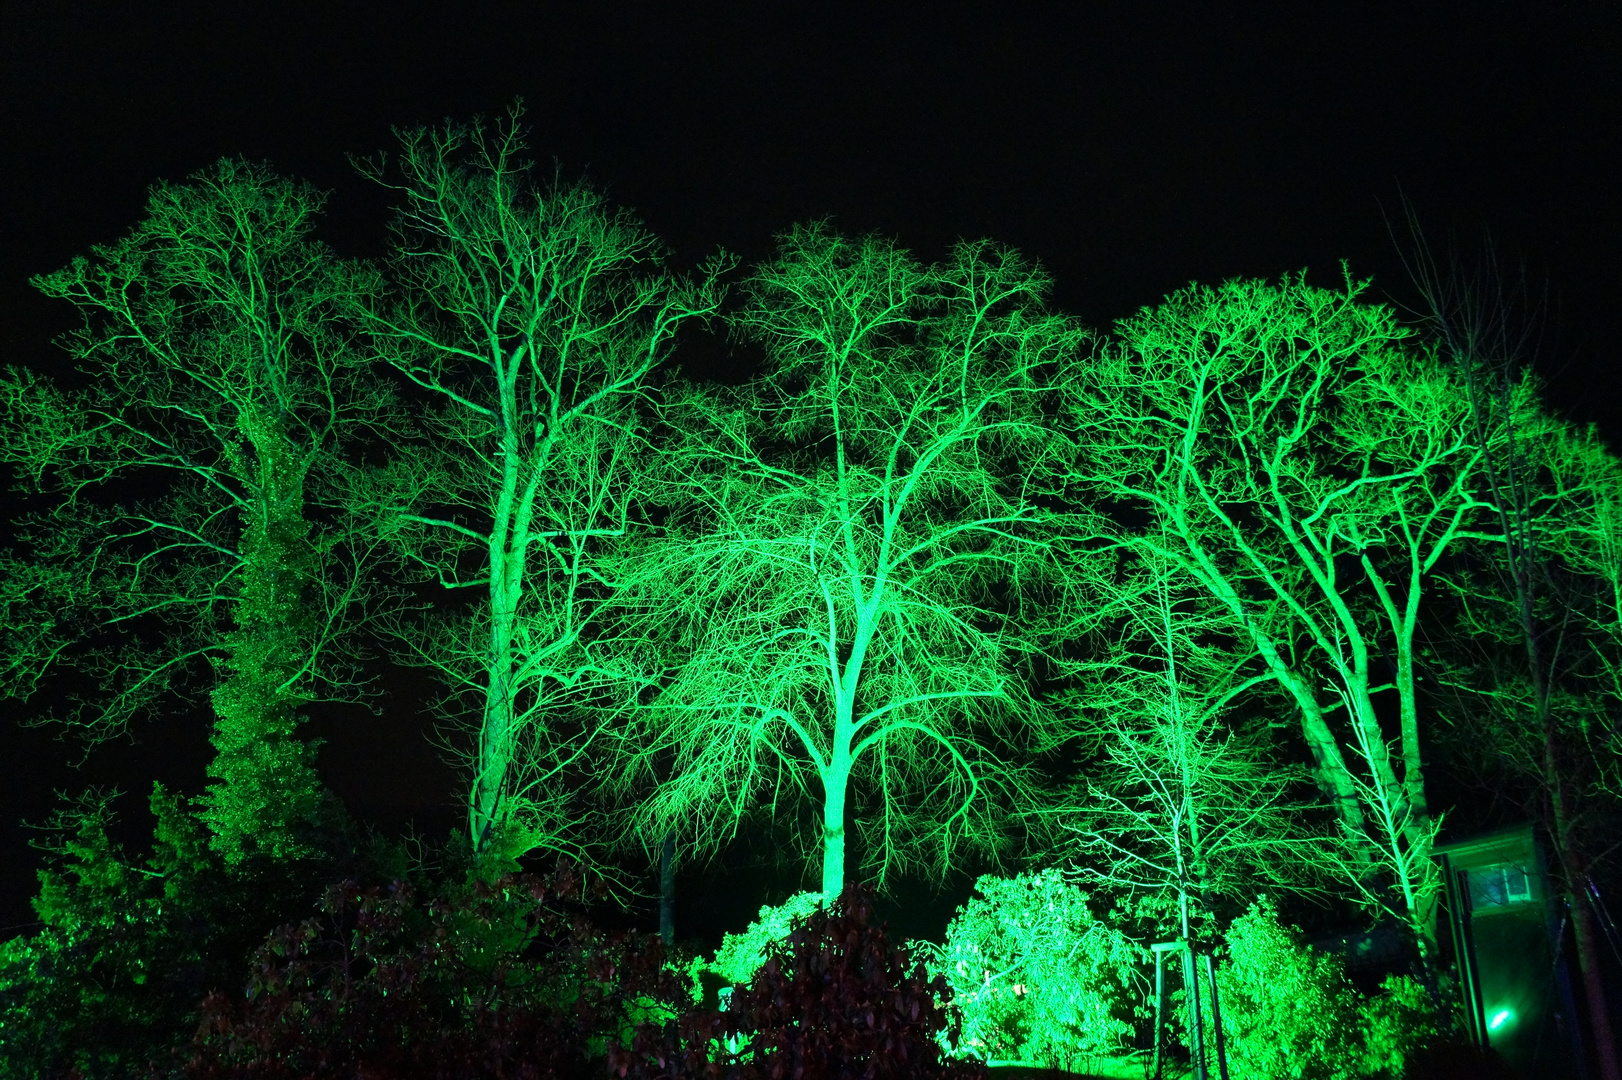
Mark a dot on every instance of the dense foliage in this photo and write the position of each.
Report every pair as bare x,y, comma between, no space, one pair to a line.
113,979
1037,976
742,954
1290,1013
835,999
507,978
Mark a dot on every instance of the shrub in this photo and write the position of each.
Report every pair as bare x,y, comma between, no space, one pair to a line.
1290,1013
1287,1012
741,955
502,980
834,1000
1037,977
112,981
1399,1022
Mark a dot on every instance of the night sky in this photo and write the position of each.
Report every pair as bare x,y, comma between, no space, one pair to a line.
1132,149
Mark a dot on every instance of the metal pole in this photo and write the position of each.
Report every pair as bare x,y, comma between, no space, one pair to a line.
1160,1005
1196,1036
1160,1002
1190,984
1458,917
1216,1017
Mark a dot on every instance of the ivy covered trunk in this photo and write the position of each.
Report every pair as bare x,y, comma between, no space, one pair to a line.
264,792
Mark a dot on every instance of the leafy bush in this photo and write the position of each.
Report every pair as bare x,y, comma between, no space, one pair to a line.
1399,1022
1290,1013
834,1000
1037,977
502,980
741,955
112,982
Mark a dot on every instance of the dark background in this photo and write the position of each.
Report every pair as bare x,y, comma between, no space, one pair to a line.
1131,147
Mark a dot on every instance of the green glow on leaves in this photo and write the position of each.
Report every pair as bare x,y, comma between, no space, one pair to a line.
1038,978
741,955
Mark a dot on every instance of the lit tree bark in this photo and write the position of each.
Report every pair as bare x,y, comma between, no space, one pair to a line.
861,567
217,377
532,318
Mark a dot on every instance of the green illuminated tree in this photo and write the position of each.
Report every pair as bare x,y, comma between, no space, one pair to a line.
217,390
1184,802
1308,468
531,318
859,574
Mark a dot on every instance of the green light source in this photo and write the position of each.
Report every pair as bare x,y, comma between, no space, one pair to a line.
1500,1018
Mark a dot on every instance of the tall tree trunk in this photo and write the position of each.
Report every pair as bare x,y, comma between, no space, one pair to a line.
1588,965
834,783
495,752
265,791
487,805
1574,870
667,890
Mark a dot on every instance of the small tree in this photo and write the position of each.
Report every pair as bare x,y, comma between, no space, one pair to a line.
1183,805
859,573
109,984
219,383
741,955
531,318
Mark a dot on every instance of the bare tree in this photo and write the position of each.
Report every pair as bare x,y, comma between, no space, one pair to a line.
860,570
1184,801
1309,469
217,380
531,317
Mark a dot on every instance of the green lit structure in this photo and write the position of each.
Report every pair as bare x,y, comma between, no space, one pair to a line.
1507,925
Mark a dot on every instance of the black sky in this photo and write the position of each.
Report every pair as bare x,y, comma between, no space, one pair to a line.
1131,147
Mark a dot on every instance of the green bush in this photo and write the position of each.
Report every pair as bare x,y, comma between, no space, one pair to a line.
1038,978
1290,1013
126,950
833,1000
741,955
1399,1022
113,980
504,978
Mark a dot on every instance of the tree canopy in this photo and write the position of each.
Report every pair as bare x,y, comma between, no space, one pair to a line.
860,576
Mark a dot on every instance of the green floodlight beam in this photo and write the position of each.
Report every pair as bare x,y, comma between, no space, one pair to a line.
1500,1018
